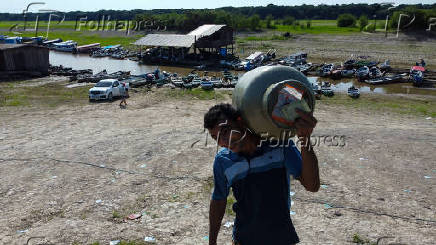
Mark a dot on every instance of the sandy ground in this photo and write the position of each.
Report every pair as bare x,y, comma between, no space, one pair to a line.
403,51
71,175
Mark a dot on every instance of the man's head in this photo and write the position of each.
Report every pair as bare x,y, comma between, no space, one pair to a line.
226,126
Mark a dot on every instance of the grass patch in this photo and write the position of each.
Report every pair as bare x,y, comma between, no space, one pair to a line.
88,37
196,93
48,95
385,103
229,208
263,38
116,214
318,29
359,240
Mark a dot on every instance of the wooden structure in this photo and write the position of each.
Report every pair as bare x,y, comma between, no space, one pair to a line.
23,59
208,39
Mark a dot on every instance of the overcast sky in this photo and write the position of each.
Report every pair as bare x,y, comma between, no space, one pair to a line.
17,6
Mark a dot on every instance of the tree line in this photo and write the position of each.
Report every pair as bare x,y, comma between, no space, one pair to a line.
244,18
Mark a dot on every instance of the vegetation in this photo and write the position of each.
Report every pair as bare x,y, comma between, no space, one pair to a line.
386,103
321,11
363,22
87,37
242,18
48,95
346,20
415,19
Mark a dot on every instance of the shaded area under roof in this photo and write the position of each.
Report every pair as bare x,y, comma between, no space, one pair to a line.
166,40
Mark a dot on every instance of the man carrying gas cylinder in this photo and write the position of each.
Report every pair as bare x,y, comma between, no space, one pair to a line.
258,171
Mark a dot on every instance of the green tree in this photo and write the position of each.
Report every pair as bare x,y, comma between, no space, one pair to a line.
254,22
346,20
363,21
288,20
269,20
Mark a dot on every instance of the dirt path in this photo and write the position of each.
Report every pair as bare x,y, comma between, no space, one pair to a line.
59,180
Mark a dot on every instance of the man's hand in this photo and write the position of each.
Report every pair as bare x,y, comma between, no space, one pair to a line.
305,123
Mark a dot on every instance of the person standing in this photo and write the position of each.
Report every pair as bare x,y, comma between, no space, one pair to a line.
124,95
259,175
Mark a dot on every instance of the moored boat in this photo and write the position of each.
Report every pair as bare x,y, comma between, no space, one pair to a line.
353,92
67,46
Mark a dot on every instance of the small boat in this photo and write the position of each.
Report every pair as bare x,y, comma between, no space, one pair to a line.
304,68
294,59
217,83
67,46
326,70
206,85
327,91
348,73
386,66
353,92
136,81
362,73
316,90
187,85
336,74
13,40
374,72
386,79
49,43
417,75
350,64
196,83
87,48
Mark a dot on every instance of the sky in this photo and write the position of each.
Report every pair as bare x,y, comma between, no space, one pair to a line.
17,6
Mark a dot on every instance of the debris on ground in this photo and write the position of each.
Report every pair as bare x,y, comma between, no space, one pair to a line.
228,224
149,239
134,216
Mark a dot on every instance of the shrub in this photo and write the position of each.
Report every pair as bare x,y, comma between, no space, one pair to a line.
346,20
363,21
288,20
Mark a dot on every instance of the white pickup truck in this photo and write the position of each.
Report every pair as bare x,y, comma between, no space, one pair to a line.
107,89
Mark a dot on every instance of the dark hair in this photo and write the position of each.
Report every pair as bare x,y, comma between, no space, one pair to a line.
218,113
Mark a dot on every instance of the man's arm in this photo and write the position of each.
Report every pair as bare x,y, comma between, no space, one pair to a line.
216,214
309,177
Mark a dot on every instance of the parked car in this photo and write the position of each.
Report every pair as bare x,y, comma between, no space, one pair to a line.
107,89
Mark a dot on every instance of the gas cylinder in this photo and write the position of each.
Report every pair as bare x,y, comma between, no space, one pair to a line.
268,96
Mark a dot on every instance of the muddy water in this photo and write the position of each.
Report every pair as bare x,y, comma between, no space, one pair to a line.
398,88
82,61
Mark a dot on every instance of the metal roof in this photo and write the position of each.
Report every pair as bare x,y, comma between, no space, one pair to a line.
166,40
205,30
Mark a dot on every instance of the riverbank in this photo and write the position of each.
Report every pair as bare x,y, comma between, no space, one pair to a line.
55,91
77,169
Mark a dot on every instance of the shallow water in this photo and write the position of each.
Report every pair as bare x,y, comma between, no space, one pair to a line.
84,61
395,88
